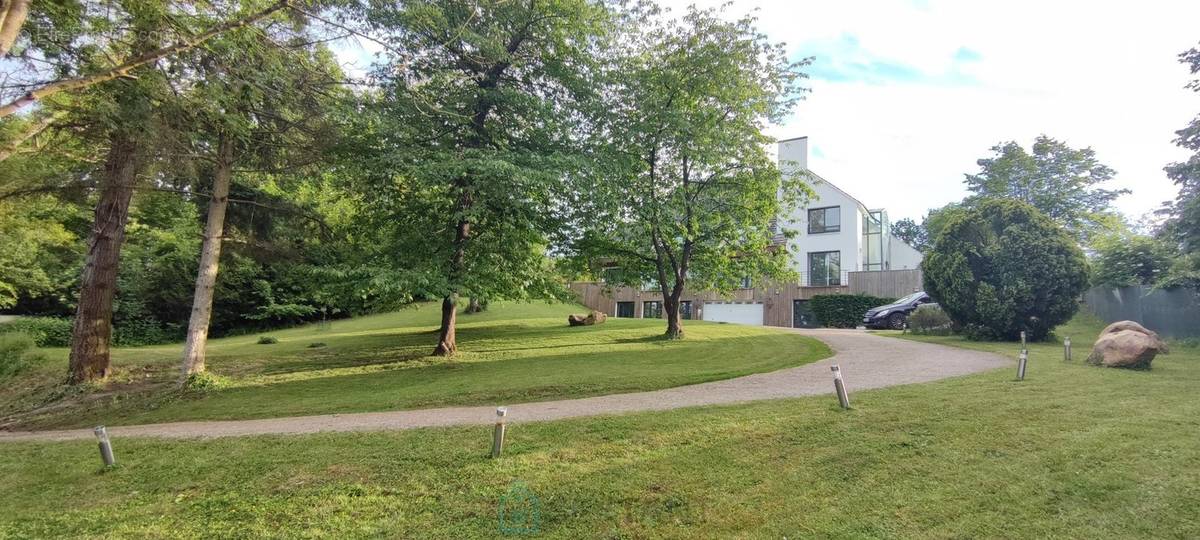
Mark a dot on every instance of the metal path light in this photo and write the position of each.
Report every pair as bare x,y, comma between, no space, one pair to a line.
840,386
498,432
106,451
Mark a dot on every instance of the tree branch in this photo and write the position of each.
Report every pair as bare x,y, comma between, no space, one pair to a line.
142,60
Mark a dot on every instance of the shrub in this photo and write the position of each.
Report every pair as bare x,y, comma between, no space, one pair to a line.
844,310
45,331
18,352
142,331
205,382
267,340
1002,267
929,319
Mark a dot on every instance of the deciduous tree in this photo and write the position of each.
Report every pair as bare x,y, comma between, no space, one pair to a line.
477,130
1060,181
1183,224
688,195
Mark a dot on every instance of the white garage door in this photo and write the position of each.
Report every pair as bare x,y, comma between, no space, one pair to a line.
734,313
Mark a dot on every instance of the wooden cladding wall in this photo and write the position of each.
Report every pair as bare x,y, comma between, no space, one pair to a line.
886,283
775,298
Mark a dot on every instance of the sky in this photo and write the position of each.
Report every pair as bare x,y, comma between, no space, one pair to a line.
906,95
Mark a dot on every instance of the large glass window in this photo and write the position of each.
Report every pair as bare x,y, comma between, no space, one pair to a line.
873,248
824,220
652,310
625,309
685,309
825,268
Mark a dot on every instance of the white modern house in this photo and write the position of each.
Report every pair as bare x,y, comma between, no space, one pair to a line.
837,233
842,246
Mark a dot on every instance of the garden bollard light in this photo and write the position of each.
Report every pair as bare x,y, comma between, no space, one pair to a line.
1067,349
106,452
840,386
1021,364
1022,340
498,433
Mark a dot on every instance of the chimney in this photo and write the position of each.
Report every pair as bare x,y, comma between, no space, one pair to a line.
793,155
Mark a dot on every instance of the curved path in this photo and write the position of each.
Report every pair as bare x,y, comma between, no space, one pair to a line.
866,360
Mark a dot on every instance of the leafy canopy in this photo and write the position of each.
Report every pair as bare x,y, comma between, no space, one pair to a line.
1060,181
476,124
687,191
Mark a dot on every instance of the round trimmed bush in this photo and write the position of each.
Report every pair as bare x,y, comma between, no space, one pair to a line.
1001,267
929,319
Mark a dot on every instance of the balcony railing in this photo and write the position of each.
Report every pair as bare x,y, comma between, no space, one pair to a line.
824,279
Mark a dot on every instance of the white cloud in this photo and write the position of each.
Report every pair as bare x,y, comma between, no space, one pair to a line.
1092,73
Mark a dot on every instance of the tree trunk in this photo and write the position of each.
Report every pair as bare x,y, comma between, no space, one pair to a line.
210,257
674,320
447,345
92,333
11,20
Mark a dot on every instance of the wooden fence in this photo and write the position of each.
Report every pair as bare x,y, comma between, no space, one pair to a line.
886,283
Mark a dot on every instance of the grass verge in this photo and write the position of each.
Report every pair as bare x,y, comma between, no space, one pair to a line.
1073,451
509,354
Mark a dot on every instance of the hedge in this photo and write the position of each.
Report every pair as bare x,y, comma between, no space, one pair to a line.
844,310
45,331
17,353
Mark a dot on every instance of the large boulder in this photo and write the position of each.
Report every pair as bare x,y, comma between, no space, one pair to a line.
1126,344
595,317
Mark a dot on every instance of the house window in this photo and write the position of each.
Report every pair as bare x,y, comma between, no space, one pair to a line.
873,248
825,268
747,282
685,309
610,274
625,309
652,310
824,220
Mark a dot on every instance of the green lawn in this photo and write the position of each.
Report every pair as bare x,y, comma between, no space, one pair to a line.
515,352
1074,451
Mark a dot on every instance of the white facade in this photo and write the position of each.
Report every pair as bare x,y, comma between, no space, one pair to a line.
830,238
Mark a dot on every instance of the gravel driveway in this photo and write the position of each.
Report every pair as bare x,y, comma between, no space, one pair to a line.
867,361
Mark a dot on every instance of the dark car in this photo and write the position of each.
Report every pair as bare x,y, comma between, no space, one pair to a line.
894,314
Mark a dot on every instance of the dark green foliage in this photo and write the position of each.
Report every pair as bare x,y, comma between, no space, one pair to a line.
1183,225
1002,267
844,310
1058,180
911,233
1129,259
267,340
17,353
930,320
144,330
44,331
